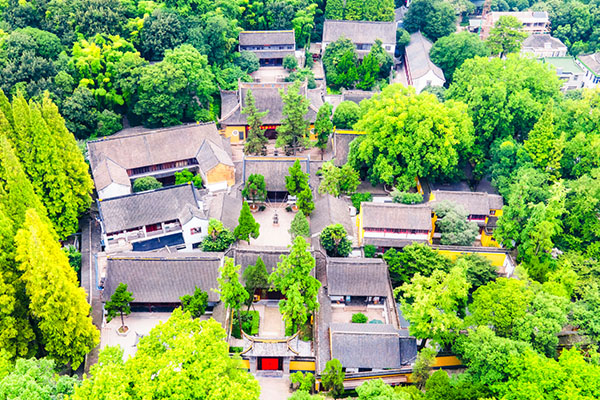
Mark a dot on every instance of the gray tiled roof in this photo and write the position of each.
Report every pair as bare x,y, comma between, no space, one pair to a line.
396,216
108,172
225,208
475,203
356,96
273,169
366,345
145,208
163,277
359,31
246,256
342,147
357,277
253,38
417,56
538,41
591,62
328,211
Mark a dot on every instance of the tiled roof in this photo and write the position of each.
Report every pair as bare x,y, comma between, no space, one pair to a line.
359,31
539,41
273,169
474,203
417,54
252,38
328,211
357,277
397,216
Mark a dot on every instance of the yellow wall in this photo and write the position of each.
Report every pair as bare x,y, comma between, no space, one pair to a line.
348,132
447,361
488,240
302,365
245,364
361,231
228,132
419,187
221,173
497,259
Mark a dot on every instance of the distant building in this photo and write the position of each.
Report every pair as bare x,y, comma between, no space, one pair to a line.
362,34
267,98
157,281
116,161
591,66
386,225
534,22
420,70
568,71
270,46
543,45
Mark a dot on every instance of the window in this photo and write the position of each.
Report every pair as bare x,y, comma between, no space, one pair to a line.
194,231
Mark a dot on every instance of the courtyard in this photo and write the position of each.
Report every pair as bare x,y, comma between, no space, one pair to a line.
271,234
343,314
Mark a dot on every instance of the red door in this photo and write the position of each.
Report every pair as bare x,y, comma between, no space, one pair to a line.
269,364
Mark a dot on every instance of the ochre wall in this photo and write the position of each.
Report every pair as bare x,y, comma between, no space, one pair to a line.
221,173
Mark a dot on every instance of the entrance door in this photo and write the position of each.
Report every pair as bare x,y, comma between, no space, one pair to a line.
270,363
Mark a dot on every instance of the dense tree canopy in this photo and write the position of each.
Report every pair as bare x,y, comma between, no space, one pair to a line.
451,51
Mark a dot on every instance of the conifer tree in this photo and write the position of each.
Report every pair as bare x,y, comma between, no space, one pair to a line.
368,71
297,180
256,142
255,277
299,226
65,326
294,129
247,226
233,294
543,145
305,201
323,127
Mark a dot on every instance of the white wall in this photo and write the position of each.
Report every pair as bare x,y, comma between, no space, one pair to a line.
114,190
431,78
190,239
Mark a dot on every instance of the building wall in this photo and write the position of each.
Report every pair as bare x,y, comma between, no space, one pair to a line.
543,52
430,78
233,133
191,239
114,190
497,259
221,173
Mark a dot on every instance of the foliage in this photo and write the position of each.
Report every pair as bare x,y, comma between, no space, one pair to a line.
299,226
323,126
434,18
290,62
119,303
146,183
334,240
74,257
162,30
196,303
255,277
377,10
248,62
200,346
453,225
109,122
293,131
399,145
305,201
297,180
358,198
369,250
231,291
359,318
303,74
422,368
332,378
402,40
186,176
406,197
451,51
544,146
256,142
374,389
415,258
480,270
340,62
346,115
306,382
338,180
65,327
506,36
219,238
247,226
255,189
250,324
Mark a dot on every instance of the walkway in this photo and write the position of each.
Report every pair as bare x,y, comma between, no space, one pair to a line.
274,388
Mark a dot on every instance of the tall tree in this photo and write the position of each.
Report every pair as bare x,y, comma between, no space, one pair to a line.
191,356
297,180
65,326
338,180
323,127
339,60
334,9
255,277
543,145
294,129
368,72
247,226
232,292
299,226
305,201
334,240
456,230
506,36
256,142
451,51
434,18
196,303
414,258
333,377
255,189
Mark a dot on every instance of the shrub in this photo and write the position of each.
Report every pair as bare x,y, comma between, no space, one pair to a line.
359,318
406,197
334,240
358,198
290,62
74,257
346,115
146,183
186,176
235,349
250,322
306,382
255,189
248,62
370,251
299,226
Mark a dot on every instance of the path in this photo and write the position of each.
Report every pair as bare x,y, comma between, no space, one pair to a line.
274,388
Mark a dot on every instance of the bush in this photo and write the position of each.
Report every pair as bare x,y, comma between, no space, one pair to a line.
305,382
290,62
370,251
186,176
358,198
346,115
406,197
359,318
235,349
146,183
250,322
108,123
302,75
334,240
309,60
248,62
299,226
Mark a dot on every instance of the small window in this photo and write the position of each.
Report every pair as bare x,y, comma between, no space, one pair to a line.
194,231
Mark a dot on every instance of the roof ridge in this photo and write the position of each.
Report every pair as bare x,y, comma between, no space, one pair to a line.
146,192
151,131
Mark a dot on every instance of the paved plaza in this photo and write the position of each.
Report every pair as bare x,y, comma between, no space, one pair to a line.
271,235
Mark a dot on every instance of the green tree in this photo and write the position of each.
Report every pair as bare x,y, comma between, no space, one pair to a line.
255,277
290,62
506,36
451,51
384,60
195,304
480,270
400,146
219,238
146,183
306,382
294,129
374,389
332,378
543,145
339,60
248,62
368,72
435,305
323,127
305,201
119,303
81,113
334,240
299,226
453,224
359,318
422,369
406,197
346,115
163,29
353,10
255,189
346,71
256,142
232,292
247,226
338,180
216,37
434,18
109,122
415,258
297,180
303,23
293,310
199,346
334,9
185,176
66,329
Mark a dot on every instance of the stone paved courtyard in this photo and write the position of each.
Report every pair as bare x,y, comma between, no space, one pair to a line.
271,235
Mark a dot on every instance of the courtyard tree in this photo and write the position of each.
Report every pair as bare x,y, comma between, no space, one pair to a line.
297,180
480,270
334,240
400,146
422,369
255,277
346,115
232,292
183,350
247,226
454,227
299,226
414,258
119,304
196,303
305,202
219,238
293,311
323,127
290,62
340,62
333,378
255,189
294,129
451,51
338,180
146,183
186,176
256,141
506,36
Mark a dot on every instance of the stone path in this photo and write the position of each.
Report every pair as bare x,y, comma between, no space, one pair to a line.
274,388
